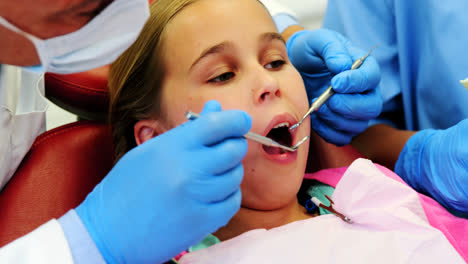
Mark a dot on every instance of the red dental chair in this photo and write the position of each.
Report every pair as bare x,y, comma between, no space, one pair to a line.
64,164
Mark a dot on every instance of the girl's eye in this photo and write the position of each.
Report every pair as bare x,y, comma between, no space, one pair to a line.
275,64
223,77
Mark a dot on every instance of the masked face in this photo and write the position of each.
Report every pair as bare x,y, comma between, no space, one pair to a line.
57,46
50,18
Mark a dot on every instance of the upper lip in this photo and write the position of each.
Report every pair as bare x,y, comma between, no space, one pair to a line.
281,118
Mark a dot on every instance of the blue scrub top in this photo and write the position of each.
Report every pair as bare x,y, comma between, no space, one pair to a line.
423,54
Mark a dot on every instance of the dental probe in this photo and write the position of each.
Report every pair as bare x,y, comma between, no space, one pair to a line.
329,92
256,137
330,208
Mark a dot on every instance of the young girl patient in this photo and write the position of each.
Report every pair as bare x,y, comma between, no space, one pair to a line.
194,51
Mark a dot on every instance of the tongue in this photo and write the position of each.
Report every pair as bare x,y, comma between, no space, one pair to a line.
273,150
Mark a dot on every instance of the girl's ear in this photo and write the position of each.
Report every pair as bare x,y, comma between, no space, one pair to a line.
147,129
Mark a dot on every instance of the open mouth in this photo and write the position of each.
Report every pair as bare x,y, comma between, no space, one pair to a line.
281,134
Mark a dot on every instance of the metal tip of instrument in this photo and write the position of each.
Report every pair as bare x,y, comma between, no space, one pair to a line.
347,220
293,148
311,109
191,115
370,51
296,125
331,209
287,148
300,142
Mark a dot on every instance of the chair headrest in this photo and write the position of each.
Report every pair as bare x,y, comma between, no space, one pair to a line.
85,94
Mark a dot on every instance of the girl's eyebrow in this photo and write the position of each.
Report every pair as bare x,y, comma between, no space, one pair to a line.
223,46
218,48
270,36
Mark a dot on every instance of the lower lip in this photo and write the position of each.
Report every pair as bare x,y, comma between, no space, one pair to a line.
283,158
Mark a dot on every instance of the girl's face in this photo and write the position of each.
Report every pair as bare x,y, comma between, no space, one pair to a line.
230,51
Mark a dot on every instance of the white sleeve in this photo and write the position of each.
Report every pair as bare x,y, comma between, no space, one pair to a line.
47,244
276,8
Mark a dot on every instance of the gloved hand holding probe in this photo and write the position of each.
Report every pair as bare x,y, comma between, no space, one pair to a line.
185,184
324,57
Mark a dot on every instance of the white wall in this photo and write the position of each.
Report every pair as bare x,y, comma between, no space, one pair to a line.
309,12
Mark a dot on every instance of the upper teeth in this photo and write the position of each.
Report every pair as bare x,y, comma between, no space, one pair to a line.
284,124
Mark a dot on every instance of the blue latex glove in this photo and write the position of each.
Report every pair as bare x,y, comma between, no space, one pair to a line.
435,162
170,192
324,57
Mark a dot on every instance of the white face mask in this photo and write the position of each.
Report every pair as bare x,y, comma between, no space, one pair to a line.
96,44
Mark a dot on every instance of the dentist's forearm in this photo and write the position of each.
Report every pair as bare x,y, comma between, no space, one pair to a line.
81,245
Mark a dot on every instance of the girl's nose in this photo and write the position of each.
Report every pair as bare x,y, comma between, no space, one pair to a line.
267,87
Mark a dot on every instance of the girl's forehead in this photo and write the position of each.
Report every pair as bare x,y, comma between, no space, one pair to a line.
209,22
220,15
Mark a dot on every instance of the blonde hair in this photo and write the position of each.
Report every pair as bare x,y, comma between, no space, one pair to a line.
136,77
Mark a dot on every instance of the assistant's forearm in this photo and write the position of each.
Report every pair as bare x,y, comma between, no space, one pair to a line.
382,143
289,31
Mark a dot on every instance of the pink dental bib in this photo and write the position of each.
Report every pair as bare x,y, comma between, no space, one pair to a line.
390,226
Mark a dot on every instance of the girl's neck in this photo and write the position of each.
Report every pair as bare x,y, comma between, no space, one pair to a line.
248,219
